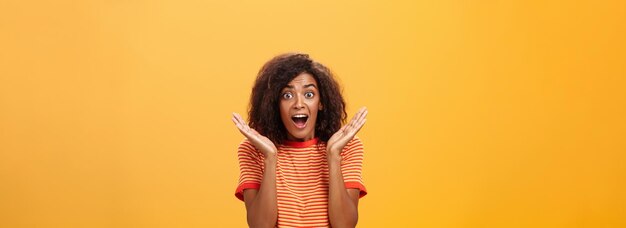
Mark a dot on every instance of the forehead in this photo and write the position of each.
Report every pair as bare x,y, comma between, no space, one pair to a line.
302,80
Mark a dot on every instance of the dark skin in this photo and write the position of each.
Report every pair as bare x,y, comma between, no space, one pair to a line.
301,96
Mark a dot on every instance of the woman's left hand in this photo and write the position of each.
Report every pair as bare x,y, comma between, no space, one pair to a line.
340,139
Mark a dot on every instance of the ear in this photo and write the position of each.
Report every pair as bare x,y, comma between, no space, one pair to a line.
320,107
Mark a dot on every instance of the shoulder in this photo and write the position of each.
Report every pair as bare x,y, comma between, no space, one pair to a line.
246,144
356,141
246,148
354,146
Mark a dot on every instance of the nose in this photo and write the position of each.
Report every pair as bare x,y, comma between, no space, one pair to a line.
299,102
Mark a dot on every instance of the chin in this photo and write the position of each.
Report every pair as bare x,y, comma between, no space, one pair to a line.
300,136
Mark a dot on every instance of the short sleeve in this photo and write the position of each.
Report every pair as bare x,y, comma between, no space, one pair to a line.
250,168
352,166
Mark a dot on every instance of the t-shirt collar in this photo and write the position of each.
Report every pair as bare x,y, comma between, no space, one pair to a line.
299,144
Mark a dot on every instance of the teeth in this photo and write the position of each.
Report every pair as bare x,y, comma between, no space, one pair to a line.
300,116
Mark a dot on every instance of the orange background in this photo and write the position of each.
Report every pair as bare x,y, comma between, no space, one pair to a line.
481,113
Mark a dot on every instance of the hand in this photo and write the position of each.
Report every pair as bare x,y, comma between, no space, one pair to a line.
259,141
335,144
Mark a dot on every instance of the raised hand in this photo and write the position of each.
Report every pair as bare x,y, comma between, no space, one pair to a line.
259,141
335,144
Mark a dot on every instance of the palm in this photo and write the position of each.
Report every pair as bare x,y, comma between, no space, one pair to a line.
340,139
259,141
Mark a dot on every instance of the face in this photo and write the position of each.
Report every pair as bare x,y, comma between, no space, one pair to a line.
299,103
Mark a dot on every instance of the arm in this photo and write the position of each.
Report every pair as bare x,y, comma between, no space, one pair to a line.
261,208
342,203
261,205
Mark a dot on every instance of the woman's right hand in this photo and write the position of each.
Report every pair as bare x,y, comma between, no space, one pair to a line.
261,142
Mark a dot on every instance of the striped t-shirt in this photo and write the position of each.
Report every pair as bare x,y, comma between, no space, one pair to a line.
301,178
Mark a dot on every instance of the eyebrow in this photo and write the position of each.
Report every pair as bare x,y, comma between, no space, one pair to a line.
305,86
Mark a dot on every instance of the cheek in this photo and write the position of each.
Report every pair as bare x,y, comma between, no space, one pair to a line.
281,110
283,106
315,107
314,103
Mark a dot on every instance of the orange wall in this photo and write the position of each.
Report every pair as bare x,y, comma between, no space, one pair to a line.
482,113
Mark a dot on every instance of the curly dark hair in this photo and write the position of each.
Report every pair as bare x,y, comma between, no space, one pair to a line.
264,110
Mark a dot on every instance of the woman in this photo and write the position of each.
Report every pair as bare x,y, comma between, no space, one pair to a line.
299,166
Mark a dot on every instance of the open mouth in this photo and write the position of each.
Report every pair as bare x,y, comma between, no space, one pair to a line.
300,120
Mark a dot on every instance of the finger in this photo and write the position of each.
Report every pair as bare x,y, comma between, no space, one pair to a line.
250,130
359,123
240,128
237,121
352,126
362,113
356,128
340,133
241,125
254,131
238,118
357,117
354,117
342,130
359,127
351,123
362,109
244,125
247,127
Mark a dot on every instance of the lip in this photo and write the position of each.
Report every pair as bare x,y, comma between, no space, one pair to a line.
303,126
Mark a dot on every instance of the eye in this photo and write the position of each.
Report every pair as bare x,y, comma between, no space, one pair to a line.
308,94
287,96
